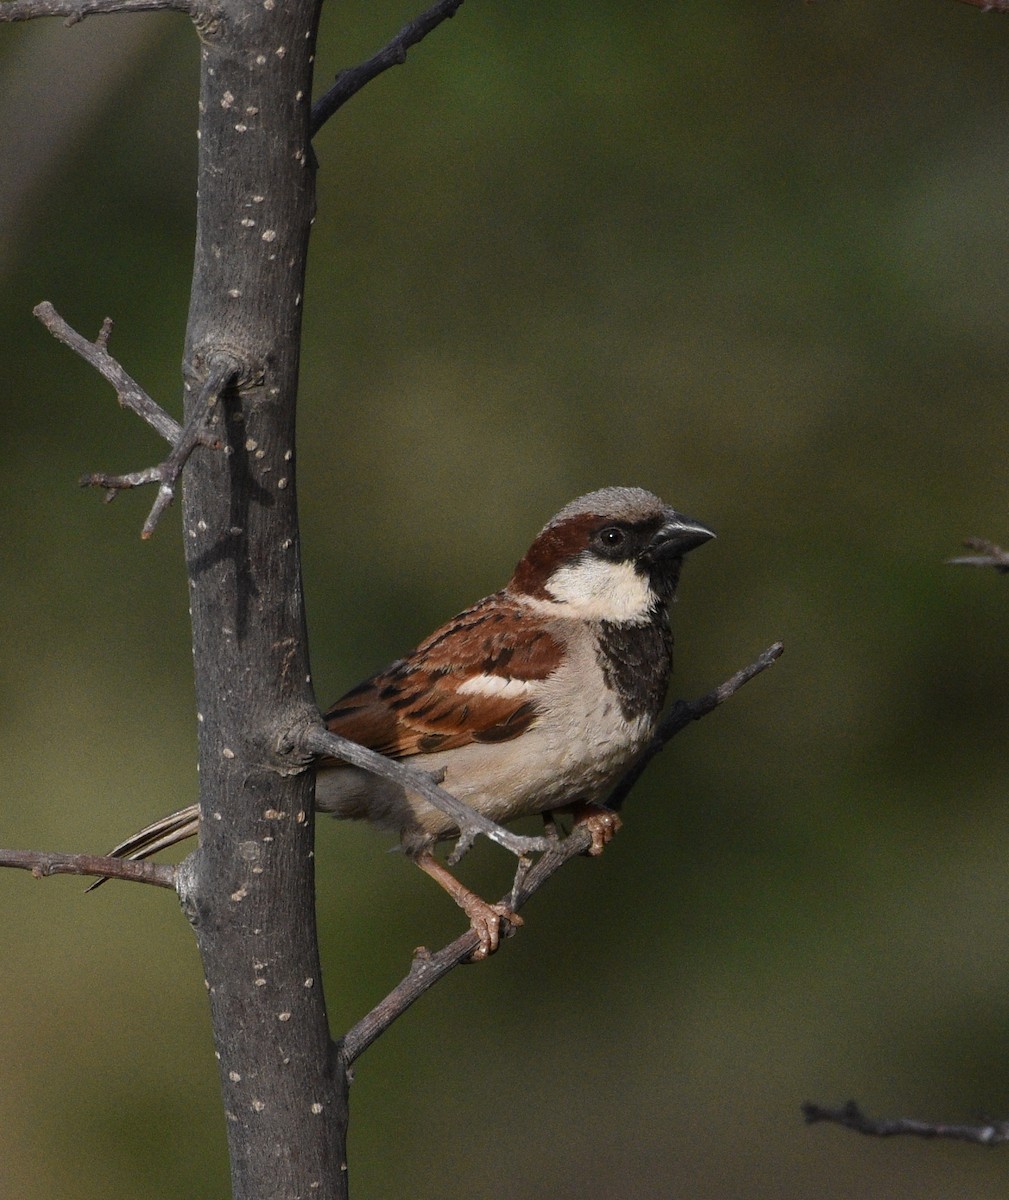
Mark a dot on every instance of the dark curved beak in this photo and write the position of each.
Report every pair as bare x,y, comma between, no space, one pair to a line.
677,535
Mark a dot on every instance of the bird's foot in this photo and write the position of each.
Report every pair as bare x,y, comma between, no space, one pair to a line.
486,920
489,922
603,825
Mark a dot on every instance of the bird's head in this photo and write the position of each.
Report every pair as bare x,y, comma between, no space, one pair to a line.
613,555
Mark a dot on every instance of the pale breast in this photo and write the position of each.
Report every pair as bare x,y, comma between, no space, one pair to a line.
582,739
575,750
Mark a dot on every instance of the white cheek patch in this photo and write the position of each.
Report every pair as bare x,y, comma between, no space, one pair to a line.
494,685
600,590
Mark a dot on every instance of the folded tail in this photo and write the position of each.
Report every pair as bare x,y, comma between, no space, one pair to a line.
176,827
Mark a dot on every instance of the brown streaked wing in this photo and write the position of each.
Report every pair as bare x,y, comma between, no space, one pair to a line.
414,706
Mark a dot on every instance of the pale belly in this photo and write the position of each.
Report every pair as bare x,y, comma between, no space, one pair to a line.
577,756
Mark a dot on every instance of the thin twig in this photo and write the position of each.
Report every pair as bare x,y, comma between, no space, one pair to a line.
317,740
42,863
350,81
77,10
989,555
683,712
1000,6
131,395
427,968
990,1133
166,474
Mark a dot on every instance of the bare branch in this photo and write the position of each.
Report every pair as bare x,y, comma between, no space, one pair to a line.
427,968
1000,6
990,1133
319,741
989,555
42,863
166,474
77,10
350,81
684,712
131,395
222,369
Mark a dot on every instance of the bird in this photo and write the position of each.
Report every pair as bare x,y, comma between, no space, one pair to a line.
536,699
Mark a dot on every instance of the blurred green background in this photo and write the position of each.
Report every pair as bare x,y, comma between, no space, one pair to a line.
753,256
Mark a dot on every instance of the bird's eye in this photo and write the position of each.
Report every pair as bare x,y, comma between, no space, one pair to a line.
612,537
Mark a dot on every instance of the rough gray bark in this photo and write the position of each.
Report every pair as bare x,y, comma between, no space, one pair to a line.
249,888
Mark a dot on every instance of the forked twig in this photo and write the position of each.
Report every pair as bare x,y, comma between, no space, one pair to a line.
427,968
96,354
184,439
166,474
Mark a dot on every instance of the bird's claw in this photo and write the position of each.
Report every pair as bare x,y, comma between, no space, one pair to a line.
603,825
490,922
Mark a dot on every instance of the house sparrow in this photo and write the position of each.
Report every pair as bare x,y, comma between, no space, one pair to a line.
535,699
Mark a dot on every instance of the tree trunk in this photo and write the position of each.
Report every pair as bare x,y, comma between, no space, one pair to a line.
249,888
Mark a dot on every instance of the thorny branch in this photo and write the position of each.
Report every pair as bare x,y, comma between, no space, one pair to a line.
989,555
989,1133
132,396
43,863
427,968
350,81
77,10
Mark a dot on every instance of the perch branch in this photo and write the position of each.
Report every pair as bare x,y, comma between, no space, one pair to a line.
685,711
77,10
42,863
319,741
427,968
990,1133
351,80
989,555
166,474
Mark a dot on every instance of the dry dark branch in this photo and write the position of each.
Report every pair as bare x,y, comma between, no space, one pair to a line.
166,474
989,1133
319,741
77,10
42,863
427,968
130,394
989,555
350,81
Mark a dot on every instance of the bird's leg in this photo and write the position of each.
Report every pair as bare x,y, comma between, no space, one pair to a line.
602,824
550,829
485,919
